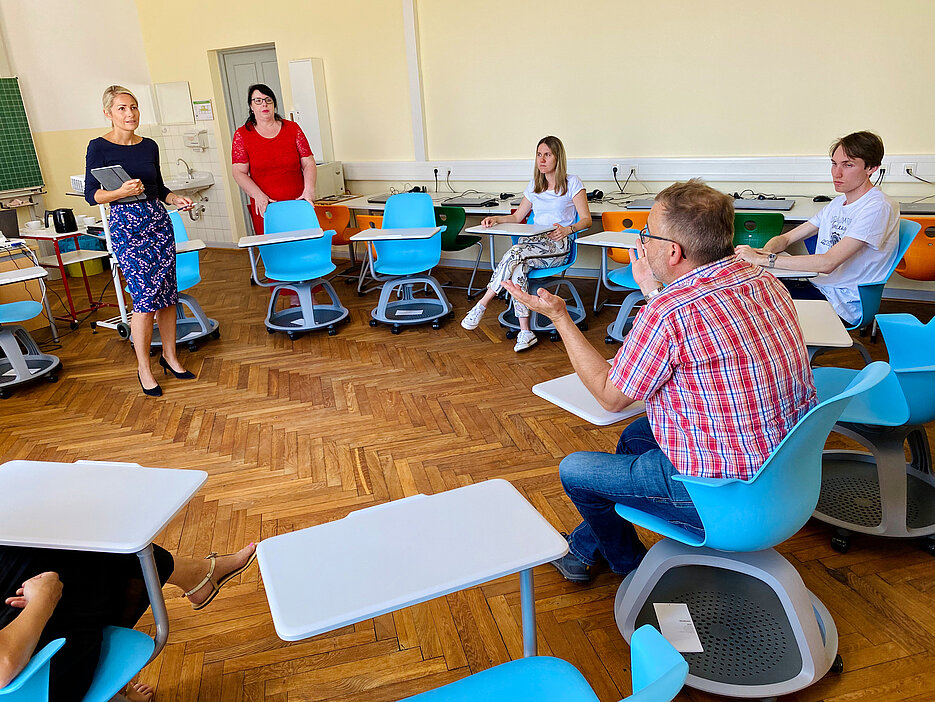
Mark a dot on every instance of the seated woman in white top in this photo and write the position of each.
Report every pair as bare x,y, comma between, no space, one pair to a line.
554,198
858,232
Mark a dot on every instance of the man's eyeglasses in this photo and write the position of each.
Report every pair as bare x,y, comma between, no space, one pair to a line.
263,101
644,235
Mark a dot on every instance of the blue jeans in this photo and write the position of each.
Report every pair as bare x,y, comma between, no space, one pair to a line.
639,475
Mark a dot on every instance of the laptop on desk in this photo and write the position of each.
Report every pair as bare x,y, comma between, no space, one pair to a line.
472,200
380,199
645,204
781,205
917,208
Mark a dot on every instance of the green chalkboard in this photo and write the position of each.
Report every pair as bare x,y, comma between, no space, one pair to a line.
19,166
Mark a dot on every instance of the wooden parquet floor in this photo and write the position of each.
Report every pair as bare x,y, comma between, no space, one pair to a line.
294,434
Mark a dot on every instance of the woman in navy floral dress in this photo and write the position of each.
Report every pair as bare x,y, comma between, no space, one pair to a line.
141,231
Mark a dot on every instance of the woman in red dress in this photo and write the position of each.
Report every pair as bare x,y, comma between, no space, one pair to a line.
271,156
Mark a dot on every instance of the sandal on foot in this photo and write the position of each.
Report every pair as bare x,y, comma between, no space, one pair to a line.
216,586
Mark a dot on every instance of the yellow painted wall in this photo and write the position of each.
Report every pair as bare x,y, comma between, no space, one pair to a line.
61,155
675,77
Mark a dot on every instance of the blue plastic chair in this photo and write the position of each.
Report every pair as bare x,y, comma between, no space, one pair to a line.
879,492
871,294
658,673
405,263
554,277
21,361
299,266
124,652
737,569
189,329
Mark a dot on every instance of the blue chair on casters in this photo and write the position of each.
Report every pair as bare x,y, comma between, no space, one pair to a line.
871,294
124,652
189,329
762,632
879,492
299,266
546,278
17,367
405,263
658,674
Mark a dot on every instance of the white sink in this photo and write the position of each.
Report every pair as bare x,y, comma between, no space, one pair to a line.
199,180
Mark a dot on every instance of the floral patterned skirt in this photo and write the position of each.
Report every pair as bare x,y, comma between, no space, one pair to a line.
143,241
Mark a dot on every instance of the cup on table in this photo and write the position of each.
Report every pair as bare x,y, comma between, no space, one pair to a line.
35,224
89,220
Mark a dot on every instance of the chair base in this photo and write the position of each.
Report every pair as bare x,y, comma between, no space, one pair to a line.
539,322
816,351
189,329
308,316
17,367
618,328
879,493
763,633
408,309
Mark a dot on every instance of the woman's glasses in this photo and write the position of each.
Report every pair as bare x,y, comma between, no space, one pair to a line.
263,101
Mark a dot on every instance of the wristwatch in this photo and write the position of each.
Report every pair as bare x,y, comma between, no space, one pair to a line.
652,293
772,261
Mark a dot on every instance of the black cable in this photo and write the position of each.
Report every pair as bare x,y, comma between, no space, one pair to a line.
436,179
448,181
629,175
617,181
880,177
913,175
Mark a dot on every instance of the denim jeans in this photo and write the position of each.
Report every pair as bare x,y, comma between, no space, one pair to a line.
639,475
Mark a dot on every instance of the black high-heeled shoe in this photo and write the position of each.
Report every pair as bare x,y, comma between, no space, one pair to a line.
166,369
151,392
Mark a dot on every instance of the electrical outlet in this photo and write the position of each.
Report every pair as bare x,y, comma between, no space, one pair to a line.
909,169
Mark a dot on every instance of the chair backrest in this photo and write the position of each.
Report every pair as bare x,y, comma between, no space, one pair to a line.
369,221
919,261
751,515
187,268
658,671
756,228
291,261
335,217
617,222
32,683
911,346
452,219
405,210
872,293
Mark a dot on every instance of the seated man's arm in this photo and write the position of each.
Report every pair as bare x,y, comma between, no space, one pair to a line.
37,598
590,366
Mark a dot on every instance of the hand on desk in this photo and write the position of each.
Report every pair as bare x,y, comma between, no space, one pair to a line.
44,588
552,306
490,221
559,233
752,255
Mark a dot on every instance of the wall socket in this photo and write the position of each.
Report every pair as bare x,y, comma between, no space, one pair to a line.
906,167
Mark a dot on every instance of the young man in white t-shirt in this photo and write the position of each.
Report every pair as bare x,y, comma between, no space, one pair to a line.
858,232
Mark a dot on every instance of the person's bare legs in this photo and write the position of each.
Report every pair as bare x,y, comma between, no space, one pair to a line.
189,572
141,329
165,318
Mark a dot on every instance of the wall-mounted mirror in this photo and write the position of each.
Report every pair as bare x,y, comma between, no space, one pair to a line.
174,103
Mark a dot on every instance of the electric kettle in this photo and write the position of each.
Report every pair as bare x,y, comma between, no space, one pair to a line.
63,219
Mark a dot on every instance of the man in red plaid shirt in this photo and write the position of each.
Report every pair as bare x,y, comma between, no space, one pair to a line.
717,356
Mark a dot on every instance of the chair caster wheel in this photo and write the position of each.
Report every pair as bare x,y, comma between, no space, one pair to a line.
270,330
4,393
511,334
436,325
293,336
373,322
192,346
838,666
608,339
123,330
216,334
841,544
332,331
93,326
396,329
554,336
52,378
929,546
152,352
360,293
583,326
252,281
73,324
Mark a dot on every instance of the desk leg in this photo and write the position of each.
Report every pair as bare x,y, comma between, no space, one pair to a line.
156,600
61,268
493,263
528,607
598,306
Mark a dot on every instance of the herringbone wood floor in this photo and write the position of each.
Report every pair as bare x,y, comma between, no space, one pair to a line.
294,434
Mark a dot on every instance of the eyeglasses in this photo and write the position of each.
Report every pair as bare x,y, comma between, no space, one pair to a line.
263,101
644,235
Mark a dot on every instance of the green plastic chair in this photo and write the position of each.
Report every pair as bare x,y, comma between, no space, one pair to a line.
452,218
756,228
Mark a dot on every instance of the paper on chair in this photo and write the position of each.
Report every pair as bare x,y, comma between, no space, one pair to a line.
675,624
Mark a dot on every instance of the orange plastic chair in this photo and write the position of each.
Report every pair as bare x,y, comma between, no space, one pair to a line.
919,261
617,222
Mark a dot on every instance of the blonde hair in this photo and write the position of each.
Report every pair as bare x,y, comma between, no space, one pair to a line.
540,184
112,92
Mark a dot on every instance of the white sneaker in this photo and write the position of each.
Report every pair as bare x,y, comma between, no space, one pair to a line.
472,318
524,340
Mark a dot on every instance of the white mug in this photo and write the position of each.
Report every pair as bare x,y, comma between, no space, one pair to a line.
35,224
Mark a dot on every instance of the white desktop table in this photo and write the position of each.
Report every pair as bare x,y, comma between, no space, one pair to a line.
249,242
95,506
401,553
821,326
510,229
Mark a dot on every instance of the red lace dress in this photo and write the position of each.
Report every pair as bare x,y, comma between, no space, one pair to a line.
275,164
